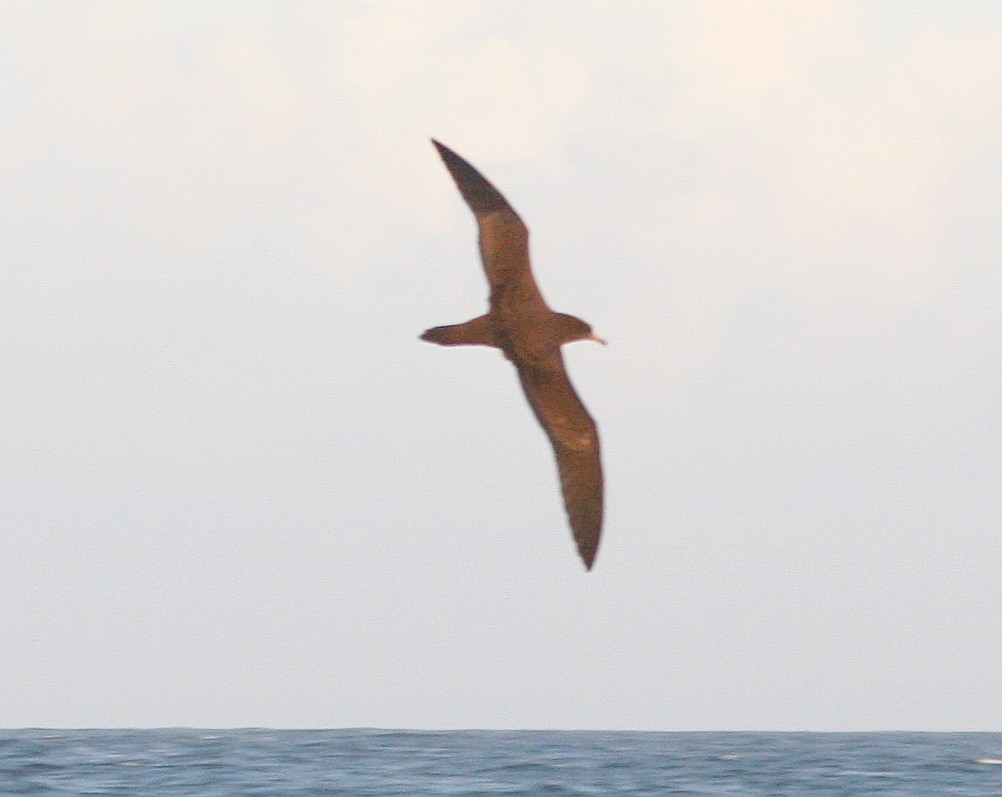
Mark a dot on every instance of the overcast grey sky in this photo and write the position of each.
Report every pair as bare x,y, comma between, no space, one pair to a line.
238,490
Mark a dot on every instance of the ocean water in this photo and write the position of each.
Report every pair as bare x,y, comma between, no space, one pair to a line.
177,761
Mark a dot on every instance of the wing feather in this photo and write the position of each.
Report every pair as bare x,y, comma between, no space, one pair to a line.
574,437
504,238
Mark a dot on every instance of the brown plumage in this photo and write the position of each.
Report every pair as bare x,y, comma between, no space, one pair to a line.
530,334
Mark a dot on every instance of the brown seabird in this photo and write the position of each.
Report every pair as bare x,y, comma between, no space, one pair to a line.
530,334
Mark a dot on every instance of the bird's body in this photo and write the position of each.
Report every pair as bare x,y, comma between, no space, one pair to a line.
530,335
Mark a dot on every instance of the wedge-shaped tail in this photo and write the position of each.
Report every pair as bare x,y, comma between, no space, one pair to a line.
475,332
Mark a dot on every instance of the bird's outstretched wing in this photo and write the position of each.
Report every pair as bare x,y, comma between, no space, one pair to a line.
480,195
504,238
575,442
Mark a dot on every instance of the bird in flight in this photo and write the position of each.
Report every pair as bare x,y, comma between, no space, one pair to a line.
530,334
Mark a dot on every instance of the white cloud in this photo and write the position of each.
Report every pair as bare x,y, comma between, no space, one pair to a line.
415,70
844,153
736,60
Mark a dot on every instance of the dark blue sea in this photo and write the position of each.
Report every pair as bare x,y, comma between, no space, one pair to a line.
178,761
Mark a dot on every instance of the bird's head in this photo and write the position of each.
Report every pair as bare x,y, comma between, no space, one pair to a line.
571,328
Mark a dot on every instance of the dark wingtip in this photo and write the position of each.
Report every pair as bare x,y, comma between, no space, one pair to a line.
588,540
480,195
